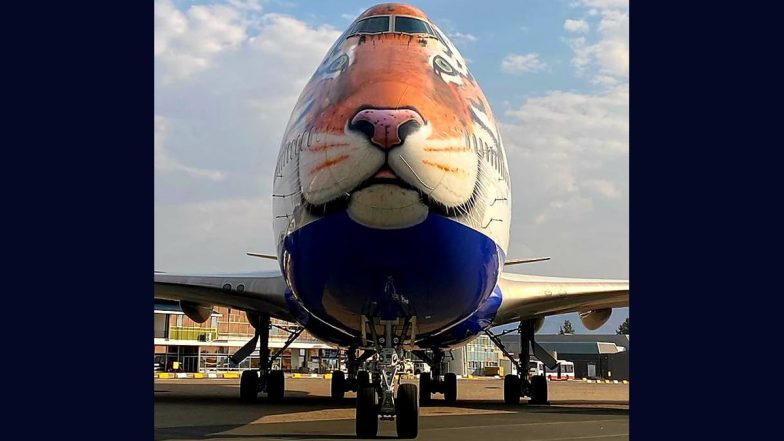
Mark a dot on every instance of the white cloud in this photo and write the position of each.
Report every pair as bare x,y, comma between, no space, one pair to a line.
187,42
576,25
575,122
246,5
289,38
213,236
568,155
522,63
165,163
609,53
603,187
459,37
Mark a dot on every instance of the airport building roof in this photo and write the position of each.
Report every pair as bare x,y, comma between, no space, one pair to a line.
573,344
619,340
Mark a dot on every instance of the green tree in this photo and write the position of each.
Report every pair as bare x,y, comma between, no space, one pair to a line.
566,328
623,329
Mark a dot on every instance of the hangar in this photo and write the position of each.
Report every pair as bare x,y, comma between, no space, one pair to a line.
604,356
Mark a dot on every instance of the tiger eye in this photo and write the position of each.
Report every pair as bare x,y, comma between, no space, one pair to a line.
443,65
338,64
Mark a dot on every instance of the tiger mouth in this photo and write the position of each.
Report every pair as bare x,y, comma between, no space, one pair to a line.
386,176
385,173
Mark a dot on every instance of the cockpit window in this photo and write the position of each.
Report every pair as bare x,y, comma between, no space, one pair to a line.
410,25
371,25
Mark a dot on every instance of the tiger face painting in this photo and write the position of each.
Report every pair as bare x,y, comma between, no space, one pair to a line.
391,128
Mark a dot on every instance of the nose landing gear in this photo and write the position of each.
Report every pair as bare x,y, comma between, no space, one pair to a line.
378,399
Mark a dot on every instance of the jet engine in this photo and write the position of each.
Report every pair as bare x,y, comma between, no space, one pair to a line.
538,324
197,312
593,319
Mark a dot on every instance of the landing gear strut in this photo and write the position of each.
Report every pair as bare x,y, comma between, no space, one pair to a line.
356,378
263,380
522,384
377,400
433,382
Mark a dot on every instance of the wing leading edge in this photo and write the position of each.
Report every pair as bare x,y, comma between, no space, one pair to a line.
525,297
257,293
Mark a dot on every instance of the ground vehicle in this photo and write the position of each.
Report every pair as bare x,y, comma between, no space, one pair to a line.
536,367
564,371
420,366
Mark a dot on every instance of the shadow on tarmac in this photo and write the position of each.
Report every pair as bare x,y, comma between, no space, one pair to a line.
205,415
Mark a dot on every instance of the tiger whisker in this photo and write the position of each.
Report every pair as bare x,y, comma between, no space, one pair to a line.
415,173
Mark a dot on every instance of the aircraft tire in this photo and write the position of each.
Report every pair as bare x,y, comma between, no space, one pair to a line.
338,385
450,388
249,386
511,389
407,410
367,413
424,388
538,389
363,378
276,385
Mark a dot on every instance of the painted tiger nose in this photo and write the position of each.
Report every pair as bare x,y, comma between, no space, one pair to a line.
387,128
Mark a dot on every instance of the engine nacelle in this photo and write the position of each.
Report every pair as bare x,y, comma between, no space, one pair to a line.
253,318
197,312
538,324
596,318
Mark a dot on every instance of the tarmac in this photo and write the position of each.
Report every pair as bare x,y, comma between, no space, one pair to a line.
202,409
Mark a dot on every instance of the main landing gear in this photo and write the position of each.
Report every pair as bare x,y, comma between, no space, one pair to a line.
433,382
377,398
522,384
356,378
263,380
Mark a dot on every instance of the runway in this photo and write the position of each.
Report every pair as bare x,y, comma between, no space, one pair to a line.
211,410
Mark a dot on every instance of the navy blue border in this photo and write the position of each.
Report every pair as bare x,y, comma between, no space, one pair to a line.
705,104
704,101
78,173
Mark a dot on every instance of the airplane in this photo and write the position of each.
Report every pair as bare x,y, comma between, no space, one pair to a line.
392,210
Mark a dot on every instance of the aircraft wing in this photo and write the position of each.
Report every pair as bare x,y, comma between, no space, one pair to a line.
527,297
257,293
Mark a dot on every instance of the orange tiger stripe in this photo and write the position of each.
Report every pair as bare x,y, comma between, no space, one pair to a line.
441,166
446,149
328,163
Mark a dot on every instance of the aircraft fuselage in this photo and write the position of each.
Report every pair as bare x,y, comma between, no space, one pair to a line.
392,194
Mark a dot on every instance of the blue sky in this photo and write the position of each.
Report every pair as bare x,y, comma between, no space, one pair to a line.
227,74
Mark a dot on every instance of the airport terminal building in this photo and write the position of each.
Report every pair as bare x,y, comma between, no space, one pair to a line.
184,345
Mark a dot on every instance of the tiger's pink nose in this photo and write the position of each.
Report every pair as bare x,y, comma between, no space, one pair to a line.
387,128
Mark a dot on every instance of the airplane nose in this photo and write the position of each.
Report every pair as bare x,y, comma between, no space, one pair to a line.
387,128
